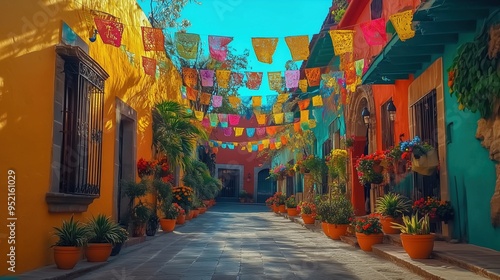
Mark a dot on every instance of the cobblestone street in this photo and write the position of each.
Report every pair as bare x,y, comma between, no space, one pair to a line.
237,241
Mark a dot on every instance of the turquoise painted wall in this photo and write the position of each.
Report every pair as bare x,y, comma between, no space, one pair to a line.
470,167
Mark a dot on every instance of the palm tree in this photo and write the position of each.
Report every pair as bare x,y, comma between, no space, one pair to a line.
175,132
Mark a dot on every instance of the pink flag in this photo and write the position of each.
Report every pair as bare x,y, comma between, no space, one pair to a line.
234,119
110,31
228,131
292,78
207,78
374,32
218,47
261,131
205,122
216,101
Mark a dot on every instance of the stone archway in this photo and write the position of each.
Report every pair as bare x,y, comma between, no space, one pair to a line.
365,137
362,97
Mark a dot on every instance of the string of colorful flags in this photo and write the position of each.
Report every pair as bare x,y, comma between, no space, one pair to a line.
111,30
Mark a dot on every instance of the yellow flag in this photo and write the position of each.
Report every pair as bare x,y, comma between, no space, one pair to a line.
238,131
234,101
223,77
282,97
304,115
256,101
402,23
317,101
264,48
278,118
199,115
261,119
303,85
342,41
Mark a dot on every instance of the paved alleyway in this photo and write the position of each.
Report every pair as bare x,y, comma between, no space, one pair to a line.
234,241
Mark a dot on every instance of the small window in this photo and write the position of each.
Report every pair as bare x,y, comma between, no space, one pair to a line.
387,127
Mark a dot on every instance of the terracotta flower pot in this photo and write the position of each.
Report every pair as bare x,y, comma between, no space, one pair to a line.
418,246
98,252
282,208
387,225
291,211
139,230
202,210
181,219
324,227
308,219
196,213
167,225
276,208
66,257
189,215
365,241
336,231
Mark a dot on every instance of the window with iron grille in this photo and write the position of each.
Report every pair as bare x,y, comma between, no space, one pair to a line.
387,127
81,154
424,120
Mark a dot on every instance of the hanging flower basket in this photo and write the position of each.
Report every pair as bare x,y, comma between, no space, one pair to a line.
425,164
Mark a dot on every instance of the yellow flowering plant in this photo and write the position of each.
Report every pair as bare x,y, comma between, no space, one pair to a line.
183,196
337,163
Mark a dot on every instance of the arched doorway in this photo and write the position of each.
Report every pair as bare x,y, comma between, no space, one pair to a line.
265,187
364,143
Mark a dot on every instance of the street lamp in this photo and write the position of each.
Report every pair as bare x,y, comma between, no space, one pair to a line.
366,116
392,110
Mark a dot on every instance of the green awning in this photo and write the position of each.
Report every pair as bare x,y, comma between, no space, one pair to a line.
437,23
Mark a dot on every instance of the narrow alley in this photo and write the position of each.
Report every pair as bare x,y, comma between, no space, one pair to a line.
241,241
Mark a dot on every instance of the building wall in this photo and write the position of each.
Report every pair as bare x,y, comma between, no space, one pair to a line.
471,181
29,31
240,157
399,94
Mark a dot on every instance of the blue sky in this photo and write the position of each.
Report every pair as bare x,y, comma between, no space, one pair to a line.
244,19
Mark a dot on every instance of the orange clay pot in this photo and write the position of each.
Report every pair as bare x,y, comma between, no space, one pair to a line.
365,241
418,246
336,231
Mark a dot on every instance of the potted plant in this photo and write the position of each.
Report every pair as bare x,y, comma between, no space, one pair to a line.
140,216
416,238
135,191
102,234
183,196
279,202
170,213
324,211
437,209
67,250
341,216
291,206
391,206
162,191
117,247
368,232
243,196
307,212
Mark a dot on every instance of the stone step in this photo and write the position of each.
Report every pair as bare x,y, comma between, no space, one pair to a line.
428,268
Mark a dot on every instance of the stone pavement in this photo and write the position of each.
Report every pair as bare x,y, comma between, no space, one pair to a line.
256,250
238,241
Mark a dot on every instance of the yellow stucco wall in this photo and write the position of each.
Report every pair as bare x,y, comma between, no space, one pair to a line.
29,31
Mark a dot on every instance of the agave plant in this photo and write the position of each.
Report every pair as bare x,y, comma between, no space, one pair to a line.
71,233
102,229
413,225
393,204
